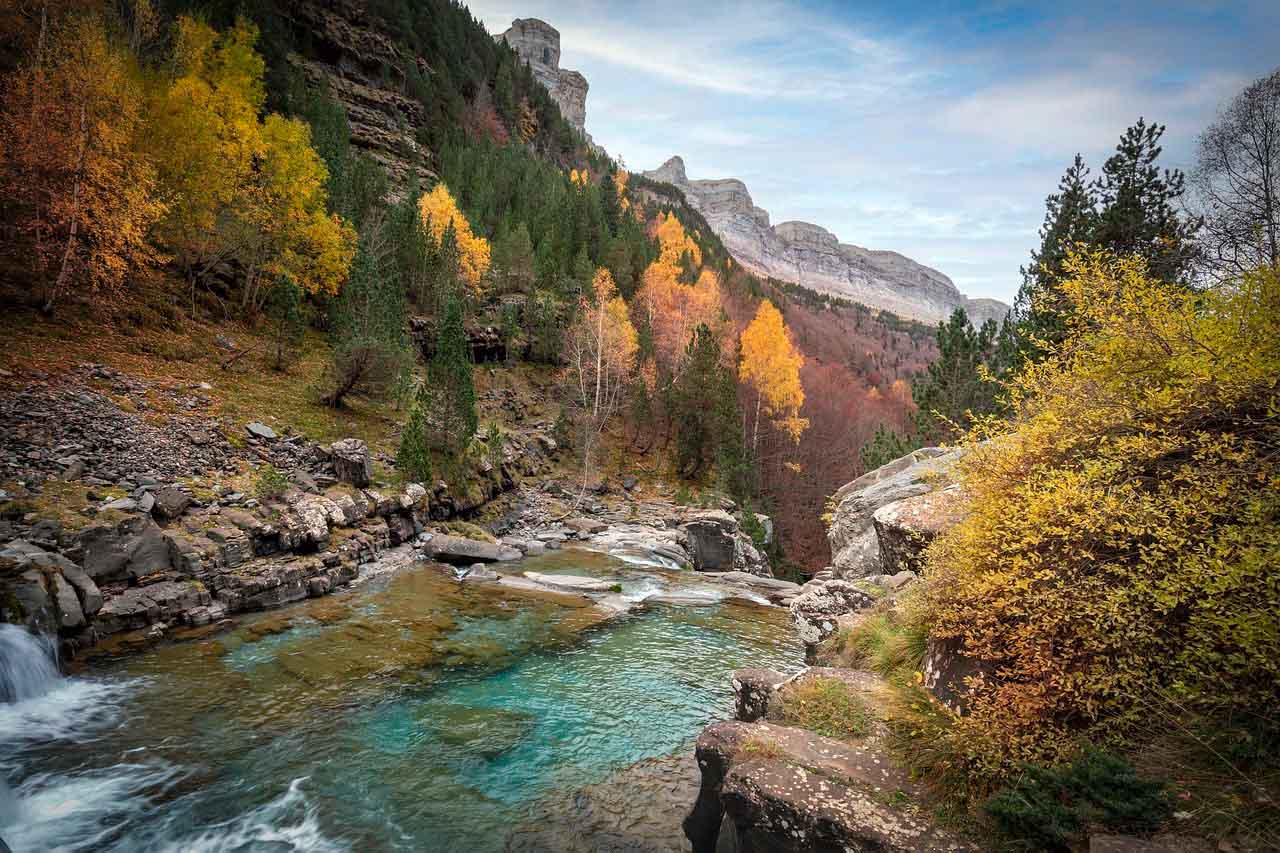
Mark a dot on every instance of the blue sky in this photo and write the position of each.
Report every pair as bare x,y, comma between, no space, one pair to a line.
934,129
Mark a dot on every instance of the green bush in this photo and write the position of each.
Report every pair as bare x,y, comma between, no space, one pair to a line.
270,483
1050,808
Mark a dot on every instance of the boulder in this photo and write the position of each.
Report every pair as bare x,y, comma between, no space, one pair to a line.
133,548
711,545
905,528
752,690
814,612
946,669
586,526
773,789
28,602
171,502
852,534
575,583
260,430
64,598
351,462
463,552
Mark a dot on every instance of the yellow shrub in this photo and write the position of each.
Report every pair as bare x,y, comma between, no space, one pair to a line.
1123,540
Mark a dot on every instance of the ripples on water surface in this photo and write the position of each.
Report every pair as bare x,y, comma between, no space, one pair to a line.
410,713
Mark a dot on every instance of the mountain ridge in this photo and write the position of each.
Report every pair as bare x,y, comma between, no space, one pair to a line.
809,255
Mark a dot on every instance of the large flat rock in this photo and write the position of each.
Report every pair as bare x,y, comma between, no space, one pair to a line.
461,551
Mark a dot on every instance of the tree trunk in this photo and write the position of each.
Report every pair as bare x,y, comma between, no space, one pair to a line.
64,273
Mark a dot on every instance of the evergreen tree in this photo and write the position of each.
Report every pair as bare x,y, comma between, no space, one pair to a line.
286,320
513,260
414,456
371,350
1138,206
1070,219
954,391
885,447
693,403
453,410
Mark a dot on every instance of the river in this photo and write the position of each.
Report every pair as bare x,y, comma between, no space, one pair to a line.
407,713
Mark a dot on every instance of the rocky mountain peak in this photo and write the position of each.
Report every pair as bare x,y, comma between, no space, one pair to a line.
538,44
812,256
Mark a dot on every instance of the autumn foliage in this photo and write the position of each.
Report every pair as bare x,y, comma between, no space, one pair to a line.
771,366
72,165
1121,541
441,216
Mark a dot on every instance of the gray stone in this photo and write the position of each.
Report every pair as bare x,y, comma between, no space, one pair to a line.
711,546
147,502
260,430
577,583
171,502
946,668
752,691
586,525
852,535
814,612
90,595
463,552
351,462
70,614
133,548
120,505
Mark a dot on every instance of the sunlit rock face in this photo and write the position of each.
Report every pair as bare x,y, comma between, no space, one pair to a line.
538,43
810,255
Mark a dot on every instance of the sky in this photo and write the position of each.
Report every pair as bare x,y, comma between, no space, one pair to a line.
932,129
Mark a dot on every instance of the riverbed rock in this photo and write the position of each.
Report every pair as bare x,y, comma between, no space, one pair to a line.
774,789
855,547
712,544
752,690
576,583
463,552
351,462
133,548
586,526
68,604
815,611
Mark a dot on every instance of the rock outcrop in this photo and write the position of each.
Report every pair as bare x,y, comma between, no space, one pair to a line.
769,788
361,67
538,43
811,256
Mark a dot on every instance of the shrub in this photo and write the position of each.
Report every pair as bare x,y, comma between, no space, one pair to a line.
823,705
1122,539
1049,808
885,643
269,483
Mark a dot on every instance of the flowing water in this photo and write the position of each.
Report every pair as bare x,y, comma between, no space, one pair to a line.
410,712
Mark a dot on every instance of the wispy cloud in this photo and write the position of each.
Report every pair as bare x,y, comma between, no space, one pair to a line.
931,129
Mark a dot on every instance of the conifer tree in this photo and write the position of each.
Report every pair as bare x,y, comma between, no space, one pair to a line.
287,322
954,391
1070,219
453,408
1137,212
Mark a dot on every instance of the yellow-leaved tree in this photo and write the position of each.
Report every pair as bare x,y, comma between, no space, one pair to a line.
601,352
771,366
241,187
71,165
1119,543
441,216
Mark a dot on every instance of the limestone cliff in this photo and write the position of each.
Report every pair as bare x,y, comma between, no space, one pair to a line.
812,256
359,66
538,43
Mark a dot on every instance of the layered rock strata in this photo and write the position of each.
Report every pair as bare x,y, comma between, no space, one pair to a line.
811,256
538,44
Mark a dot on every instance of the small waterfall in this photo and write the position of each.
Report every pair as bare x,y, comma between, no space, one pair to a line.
28,664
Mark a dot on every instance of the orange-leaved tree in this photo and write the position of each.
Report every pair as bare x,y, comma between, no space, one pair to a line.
70,164
440,214
771,366
674,310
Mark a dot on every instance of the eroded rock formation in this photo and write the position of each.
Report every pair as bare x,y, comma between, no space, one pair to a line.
812,256
538,43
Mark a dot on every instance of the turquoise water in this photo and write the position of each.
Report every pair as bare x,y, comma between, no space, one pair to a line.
411,713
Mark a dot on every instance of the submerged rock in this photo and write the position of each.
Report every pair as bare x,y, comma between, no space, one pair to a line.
464,552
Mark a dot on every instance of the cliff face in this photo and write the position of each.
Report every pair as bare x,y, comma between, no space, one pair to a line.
350,57
538,43
812,256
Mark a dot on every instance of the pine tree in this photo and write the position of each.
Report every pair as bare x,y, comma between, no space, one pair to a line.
453,411
886,446
693,403
286,320
414,456
954,390
1137,206
1070,219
